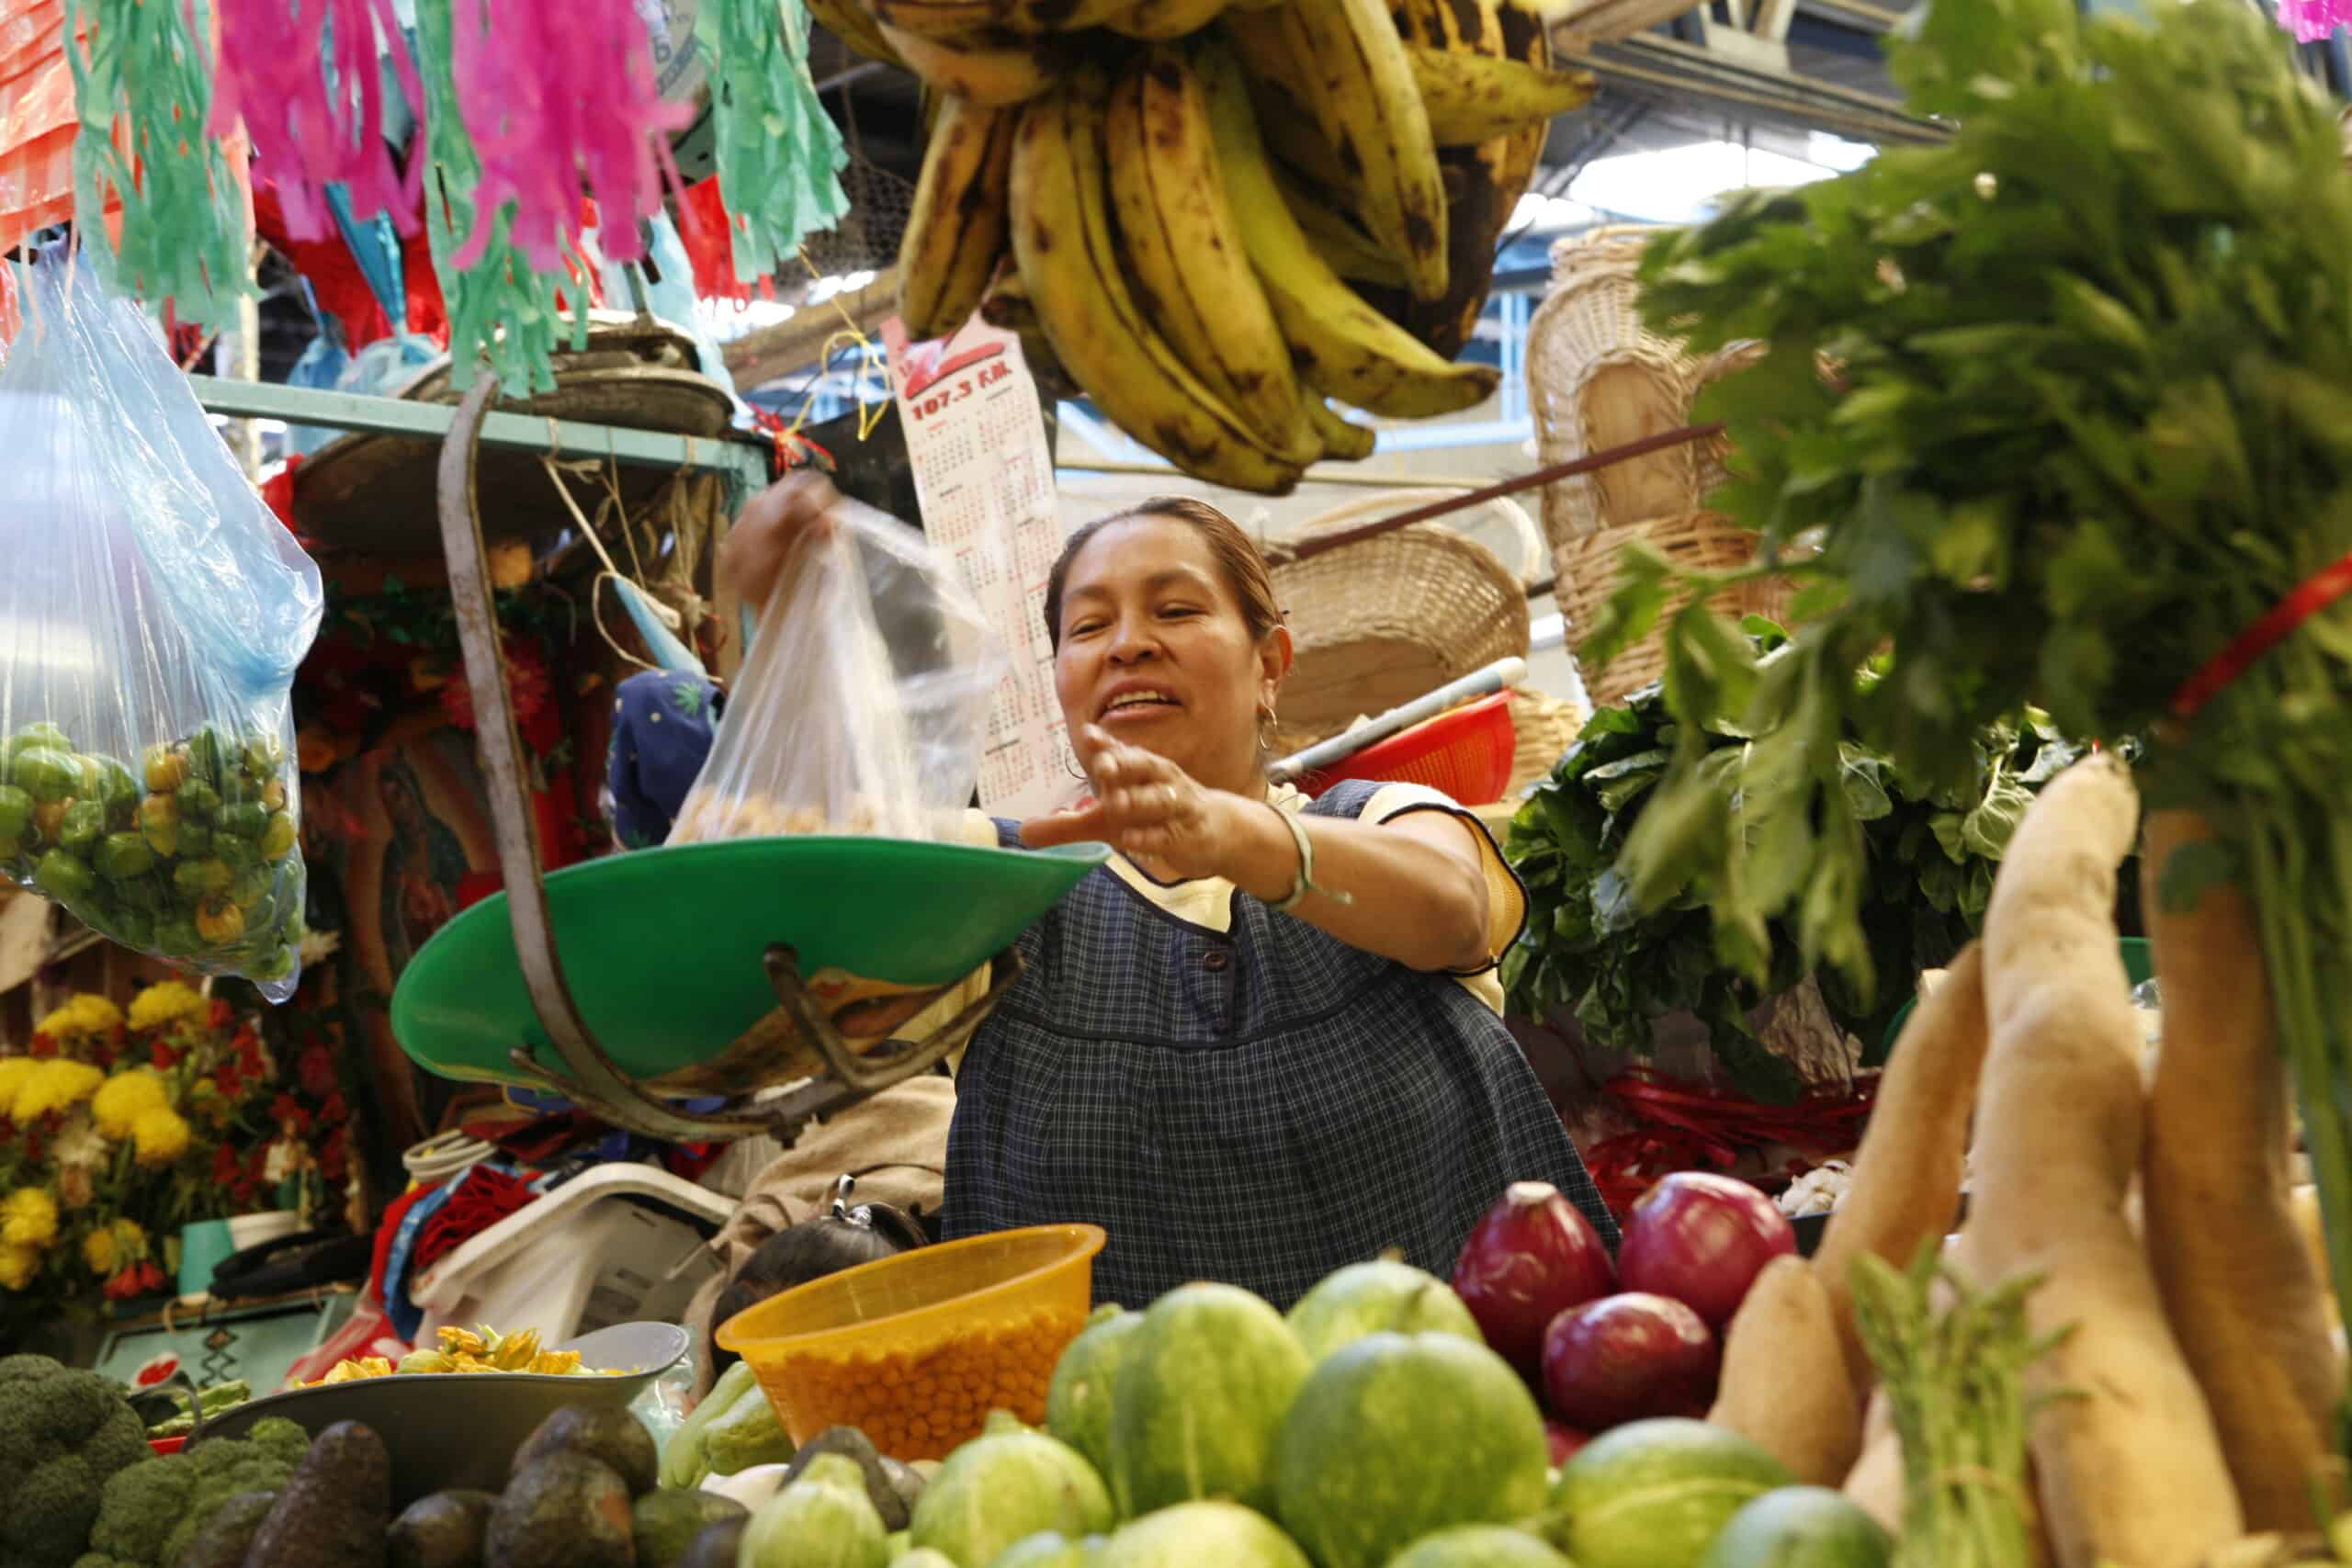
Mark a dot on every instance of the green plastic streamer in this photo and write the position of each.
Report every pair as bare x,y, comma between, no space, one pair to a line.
501,309
779,154
183,224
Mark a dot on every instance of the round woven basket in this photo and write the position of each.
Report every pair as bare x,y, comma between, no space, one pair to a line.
1545,727
1696,541
1380,622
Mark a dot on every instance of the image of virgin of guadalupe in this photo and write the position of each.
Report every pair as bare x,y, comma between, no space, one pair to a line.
424,863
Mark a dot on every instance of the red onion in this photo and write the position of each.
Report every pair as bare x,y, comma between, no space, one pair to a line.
1624,1358
1564,1440
1533,1257
1701,1238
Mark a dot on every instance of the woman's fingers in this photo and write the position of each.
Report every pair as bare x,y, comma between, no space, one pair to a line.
1084,825
771,523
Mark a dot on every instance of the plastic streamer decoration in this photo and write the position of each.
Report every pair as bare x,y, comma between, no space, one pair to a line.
2311,20
501,306
552,105
317,120
778,152
182,235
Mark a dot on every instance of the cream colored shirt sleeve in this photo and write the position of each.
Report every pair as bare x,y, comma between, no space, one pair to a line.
1506,900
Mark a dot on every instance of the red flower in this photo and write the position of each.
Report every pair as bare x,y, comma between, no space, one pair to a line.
249,1058
223,1013
315,1070
231,1083
224,1165
42,1048
285,1109
330,1155
332,1111
165,1057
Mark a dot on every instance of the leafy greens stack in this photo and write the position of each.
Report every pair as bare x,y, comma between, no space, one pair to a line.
2091,421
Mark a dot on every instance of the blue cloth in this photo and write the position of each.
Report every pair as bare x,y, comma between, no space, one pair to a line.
1259,1107
663,724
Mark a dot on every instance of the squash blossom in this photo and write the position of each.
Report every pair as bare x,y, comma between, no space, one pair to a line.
81,1014
14,1073
158,1006
18,1265
161,1135
54,1085
28,1218
125,1097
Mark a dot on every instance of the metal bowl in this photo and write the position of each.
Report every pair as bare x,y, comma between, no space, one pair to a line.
445,1429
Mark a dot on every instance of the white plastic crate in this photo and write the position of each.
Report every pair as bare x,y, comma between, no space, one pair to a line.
619,1244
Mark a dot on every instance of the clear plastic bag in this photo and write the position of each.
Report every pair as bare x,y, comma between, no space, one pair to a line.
864,698
151,620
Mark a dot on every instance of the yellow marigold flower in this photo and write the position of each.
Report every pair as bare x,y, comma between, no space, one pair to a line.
99,1252
29,1217
55,1084
14,1073
124,1097
167,1003
81,1014
18,1265
161,1134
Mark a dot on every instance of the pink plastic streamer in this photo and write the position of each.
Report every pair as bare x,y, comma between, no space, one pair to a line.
2311,20
273,75
558,94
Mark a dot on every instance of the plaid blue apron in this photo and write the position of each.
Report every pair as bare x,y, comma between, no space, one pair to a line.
1259,1107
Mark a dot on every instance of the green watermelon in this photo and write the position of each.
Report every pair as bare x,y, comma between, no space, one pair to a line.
1048,1548
1398,1436
1371,1298
1202,1389
1008,1483
1078,1402
1800,1527
1195,1535
1480,1546
822,1520
1655,1494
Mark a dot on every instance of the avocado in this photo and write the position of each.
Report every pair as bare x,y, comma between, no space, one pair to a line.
444,1531
666,1524
716,1546
606,1432
881,1486
565,1510
333,1509
228,1533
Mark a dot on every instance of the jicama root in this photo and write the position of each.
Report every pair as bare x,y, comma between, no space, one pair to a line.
1906,1186
1875,1485
2221,1235
2131,1467
1784,1383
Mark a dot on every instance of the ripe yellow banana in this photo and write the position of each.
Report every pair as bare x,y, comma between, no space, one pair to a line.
848,22
1359,84
995,68
1341,345
954,19
1344,441
1166,19
1062,240
1470,97
1290,125
955,232
1335,234
1262,42
1183,248
1464,26
1007,306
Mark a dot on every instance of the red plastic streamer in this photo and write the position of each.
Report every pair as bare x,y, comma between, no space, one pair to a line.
274,73
2316,594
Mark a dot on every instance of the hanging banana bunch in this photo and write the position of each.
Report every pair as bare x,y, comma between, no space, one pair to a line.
1226,222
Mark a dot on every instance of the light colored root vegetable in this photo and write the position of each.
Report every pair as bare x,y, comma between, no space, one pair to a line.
2302,1201
2272,1550
2130,1465
2221,1235
1905,1185
1876,1483
1784,1383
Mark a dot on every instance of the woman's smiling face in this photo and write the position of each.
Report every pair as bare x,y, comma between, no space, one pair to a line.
1155,649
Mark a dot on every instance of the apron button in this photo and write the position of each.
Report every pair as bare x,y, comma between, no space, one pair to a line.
1216,959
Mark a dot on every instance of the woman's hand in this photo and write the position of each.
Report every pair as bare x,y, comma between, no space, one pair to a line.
765,531
1154,813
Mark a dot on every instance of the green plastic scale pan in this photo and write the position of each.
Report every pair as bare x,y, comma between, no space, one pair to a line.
663,948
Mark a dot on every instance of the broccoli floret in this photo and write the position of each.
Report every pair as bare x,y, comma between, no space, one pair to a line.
63,1432
138,1509
224,1467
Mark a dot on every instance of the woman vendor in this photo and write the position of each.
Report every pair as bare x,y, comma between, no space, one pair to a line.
1264,1040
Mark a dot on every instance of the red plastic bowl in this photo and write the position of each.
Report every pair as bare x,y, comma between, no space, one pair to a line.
1465,752
167,1445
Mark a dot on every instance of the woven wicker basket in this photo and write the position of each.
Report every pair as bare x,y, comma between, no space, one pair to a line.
1380,622
1696,541
1547,727
1606,21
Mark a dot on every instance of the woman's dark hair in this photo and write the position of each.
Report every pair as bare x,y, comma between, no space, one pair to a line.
1245,570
